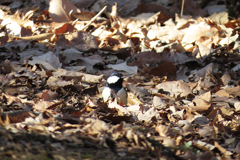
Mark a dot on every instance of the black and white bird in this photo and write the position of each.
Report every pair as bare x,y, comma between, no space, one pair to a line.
114,85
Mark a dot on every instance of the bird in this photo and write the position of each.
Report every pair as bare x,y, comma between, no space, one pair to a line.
114,86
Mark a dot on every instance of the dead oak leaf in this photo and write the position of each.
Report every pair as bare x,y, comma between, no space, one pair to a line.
83,41
60,10
164,131
202,102
175,88
44,105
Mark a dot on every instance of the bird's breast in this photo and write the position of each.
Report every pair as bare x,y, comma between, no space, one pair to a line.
122,94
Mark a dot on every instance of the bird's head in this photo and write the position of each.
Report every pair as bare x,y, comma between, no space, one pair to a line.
115,79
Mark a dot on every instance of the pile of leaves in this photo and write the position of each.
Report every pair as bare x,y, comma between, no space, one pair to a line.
181,75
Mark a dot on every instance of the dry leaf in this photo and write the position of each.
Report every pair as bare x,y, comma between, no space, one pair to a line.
164,131
60,10
202,102
175,88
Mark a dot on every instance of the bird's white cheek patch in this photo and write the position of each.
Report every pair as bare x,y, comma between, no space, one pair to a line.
112,79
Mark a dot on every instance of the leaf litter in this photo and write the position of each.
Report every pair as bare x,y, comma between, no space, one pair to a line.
181,76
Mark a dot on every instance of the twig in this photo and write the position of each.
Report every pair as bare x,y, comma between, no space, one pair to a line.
93,19
182,8
101,4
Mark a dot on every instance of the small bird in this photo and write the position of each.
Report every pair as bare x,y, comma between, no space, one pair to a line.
114,85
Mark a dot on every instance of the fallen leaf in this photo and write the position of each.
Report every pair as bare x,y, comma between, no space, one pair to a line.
60,10
175,88
164,131
49,61
202,103
124,67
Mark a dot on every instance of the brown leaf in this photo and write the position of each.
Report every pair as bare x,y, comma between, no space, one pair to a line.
139,92
48,95
207,131
91,90
53,81
26,31
188,115
159,17
166,69
42,106
148,115
167,141
64,28
114,13
59,10
117,119
7,120
222,93
203,102
175,88
1,121
159,103
237,149
11,99
235,91
86,77
220,18
151,59
96,126
19,118
164,131
84,41
233,23
213,114
83,16
121,110
223,150
5,67
4,39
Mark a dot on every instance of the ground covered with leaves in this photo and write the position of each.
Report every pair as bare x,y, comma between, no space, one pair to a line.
182,77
